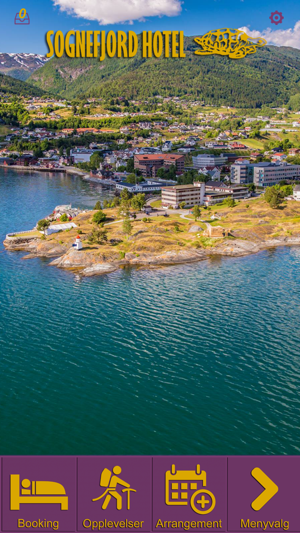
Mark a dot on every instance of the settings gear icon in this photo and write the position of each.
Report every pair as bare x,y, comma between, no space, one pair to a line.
276,17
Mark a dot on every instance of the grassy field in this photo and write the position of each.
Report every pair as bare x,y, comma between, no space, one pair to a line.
293,137
65,113
252,220
4,130
294,117
158,235
255,143
29,234
258,222
220,110
156,203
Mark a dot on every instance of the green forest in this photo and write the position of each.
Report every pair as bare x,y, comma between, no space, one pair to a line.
271,76
9,85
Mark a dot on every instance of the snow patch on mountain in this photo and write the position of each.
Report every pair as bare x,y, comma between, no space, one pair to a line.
20,65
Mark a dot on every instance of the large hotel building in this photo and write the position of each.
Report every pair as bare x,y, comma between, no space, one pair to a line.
199,193
263,174
190,194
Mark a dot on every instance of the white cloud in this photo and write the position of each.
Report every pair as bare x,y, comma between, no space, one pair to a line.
113,11
289,37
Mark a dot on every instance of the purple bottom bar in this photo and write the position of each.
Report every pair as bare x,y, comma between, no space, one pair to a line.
150,493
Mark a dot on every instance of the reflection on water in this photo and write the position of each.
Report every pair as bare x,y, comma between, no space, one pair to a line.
190,359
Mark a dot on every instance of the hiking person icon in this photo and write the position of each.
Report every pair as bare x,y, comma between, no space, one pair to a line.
111,481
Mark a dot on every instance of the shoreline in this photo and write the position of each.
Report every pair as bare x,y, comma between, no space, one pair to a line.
73,171
32,168
248,230
86,265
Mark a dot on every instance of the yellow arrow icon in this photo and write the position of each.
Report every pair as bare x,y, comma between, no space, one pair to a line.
270,489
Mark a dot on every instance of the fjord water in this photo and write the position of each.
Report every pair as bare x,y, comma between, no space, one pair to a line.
191,359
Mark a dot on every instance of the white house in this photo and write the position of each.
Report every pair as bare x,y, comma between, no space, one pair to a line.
214,174
142,187
110,159
185,150
167,146
81,155
296,193
278,157
121,163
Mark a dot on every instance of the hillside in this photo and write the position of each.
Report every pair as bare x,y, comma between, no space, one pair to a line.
10,85
270,76
20,66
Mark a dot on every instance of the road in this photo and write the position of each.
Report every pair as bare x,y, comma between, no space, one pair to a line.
161,212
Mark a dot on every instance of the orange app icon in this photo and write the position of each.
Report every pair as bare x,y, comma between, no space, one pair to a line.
22,17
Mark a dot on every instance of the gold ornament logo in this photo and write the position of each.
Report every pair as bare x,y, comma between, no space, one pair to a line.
228,42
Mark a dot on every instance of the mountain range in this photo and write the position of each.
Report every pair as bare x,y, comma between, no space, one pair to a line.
270,76
20,66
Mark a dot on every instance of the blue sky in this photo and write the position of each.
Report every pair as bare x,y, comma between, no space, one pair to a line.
193,17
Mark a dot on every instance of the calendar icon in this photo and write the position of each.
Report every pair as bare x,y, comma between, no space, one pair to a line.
182,487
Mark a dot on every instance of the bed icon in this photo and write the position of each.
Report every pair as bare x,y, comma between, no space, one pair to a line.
22,17
36,492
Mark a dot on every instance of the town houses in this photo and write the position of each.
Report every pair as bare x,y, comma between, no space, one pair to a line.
155,145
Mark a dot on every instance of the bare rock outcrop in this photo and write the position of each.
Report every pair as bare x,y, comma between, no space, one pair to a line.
99,268
35,247
91,262
236,247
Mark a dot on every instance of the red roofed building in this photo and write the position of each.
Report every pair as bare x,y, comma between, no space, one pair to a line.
238,146
280,156
88,130
294,151
149,164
